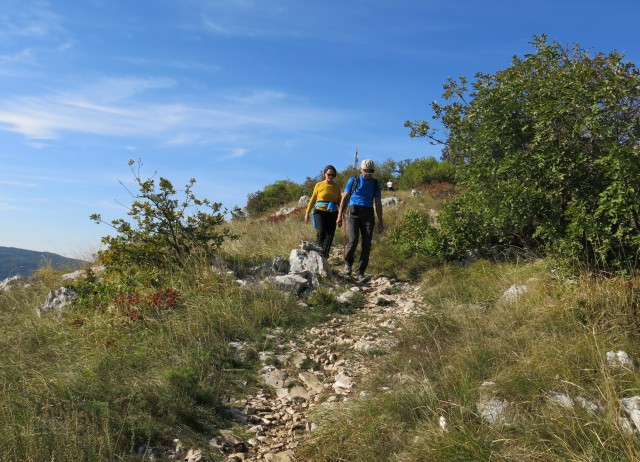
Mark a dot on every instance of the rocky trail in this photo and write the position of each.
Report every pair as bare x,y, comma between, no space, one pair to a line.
322,366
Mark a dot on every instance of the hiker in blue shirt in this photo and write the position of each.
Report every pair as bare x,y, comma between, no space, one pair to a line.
359,197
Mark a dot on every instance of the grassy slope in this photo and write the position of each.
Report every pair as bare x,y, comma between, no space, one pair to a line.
95,384
553,338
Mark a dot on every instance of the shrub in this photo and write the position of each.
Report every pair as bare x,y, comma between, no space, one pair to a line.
426,171
547,156
413,234
165,230
273,196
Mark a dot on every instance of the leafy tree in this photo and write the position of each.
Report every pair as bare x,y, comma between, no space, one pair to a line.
387,170
272,196
547,152
426,171
164,229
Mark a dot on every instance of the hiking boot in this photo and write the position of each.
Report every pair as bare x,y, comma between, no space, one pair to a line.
360,277
347,269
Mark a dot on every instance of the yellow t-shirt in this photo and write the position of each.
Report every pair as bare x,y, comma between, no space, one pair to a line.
324,192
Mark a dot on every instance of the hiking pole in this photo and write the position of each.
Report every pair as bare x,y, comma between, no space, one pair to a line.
344,238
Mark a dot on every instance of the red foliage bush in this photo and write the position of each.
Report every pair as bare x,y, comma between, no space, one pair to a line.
133,315
439,190
125,300
164,299
131,304
284,216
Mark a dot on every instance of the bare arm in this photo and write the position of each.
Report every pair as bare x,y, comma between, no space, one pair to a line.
341,209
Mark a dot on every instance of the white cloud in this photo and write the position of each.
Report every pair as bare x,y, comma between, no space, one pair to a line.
119,108
237,153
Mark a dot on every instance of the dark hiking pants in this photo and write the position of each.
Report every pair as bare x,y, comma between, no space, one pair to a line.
360,223
326,228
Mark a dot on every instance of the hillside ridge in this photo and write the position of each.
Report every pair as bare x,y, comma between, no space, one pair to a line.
22,262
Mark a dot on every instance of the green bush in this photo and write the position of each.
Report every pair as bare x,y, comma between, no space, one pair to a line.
273,196
547,156
165,231
426,171
414,235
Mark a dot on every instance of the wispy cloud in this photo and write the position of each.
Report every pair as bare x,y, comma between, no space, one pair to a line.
18,64
18,184
356,24
4,206
182,65
28,19
118,107
236,153
24,56
258,19
30,32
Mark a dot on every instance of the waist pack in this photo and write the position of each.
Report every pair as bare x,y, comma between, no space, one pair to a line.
358,210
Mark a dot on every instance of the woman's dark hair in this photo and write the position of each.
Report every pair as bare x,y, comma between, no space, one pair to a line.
327,168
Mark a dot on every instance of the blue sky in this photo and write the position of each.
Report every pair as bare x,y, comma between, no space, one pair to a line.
237,93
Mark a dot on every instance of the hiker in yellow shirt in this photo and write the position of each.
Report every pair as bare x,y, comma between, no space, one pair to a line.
324,204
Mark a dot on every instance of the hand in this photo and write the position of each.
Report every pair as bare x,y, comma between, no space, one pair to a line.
339,221
380,227
306,218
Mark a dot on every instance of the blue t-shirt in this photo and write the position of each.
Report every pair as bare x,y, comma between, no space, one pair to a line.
364,192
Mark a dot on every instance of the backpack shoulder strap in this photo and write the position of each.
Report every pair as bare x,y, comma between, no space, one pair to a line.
354,185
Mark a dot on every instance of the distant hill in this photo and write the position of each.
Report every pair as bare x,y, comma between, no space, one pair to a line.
21,262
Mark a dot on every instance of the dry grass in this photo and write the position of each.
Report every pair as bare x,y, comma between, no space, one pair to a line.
552,338
95,385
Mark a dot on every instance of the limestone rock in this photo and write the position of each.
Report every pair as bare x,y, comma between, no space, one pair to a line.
303,201
82,274
57,300
343,384
311,261
280,265
292,282
274,377
586,404
621,358
311,382
391,201
348,297
632,407
560,399
7,283
513,293
442,422
491,408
